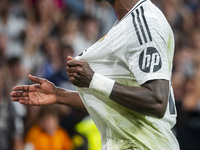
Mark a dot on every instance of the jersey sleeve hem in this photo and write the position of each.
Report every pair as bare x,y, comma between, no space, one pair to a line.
157,76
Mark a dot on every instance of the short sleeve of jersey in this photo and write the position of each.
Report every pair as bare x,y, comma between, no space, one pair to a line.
146,47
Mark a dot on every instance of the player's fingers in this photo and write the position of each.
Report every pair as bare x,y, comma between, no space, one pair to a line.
71,78
70,69
36,79
21,88
74,79
74,69
74,63
26,102
18,94
75,75
20,98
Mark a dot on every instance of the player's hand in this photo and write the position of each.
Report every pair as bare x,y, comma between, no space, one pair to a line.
42,93
79,72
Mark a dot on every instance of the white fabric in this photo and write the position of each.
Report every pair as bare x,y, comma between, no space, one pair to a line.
124,57
102,84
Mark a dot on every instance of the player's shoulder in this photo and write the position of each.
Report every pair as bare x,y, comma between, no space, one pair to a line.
143,23
142,10
135,24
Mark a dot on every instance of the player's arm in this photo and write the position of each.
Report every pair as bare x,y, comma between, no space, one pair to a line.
45,93
70,98
149,99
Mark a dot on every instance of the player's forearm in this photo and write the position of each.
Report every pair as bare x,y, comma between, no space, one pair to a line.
149,99
70,98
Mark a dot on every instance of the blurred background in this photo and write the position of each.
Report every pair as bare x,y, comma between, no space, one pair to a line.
36,36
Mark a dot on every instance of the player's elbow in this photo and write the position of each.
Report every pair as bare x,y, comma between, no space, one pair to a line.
156,109
161,104
160,109
158,96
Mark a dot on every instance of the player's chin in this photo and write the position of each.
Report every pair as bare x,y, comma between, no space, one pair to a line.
102,0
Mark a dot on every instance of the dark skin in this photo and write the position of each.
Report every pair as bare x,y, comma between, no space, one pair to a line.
149,99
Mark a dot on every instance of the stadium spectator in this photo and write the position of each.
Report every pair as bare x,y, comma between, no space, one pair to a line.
13,28
52,60
115,89
89,33
46,134
59,77
26,25
11,135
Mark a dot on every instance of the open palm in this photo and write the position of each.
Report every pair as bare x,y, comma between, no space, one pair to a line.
42,93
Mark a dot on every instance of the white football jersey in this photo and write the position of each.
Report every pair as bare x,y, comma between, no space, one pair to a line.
137,49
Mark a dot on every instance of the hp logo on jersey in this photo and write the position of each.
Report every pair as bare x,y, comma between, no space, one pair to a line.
150,60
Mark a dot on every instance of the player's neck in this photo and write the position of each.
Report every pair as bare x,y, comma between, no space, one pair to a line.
122,7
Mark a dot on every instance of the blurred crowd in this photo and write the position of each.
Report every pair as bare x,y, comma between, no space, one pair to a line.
36,36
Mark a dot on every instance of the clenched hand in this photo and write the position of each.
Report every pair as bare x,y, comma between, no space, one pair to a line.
79,72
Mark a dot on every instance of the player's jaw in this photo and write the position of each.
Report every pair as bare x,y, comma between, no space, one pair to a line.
109,1
102,0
